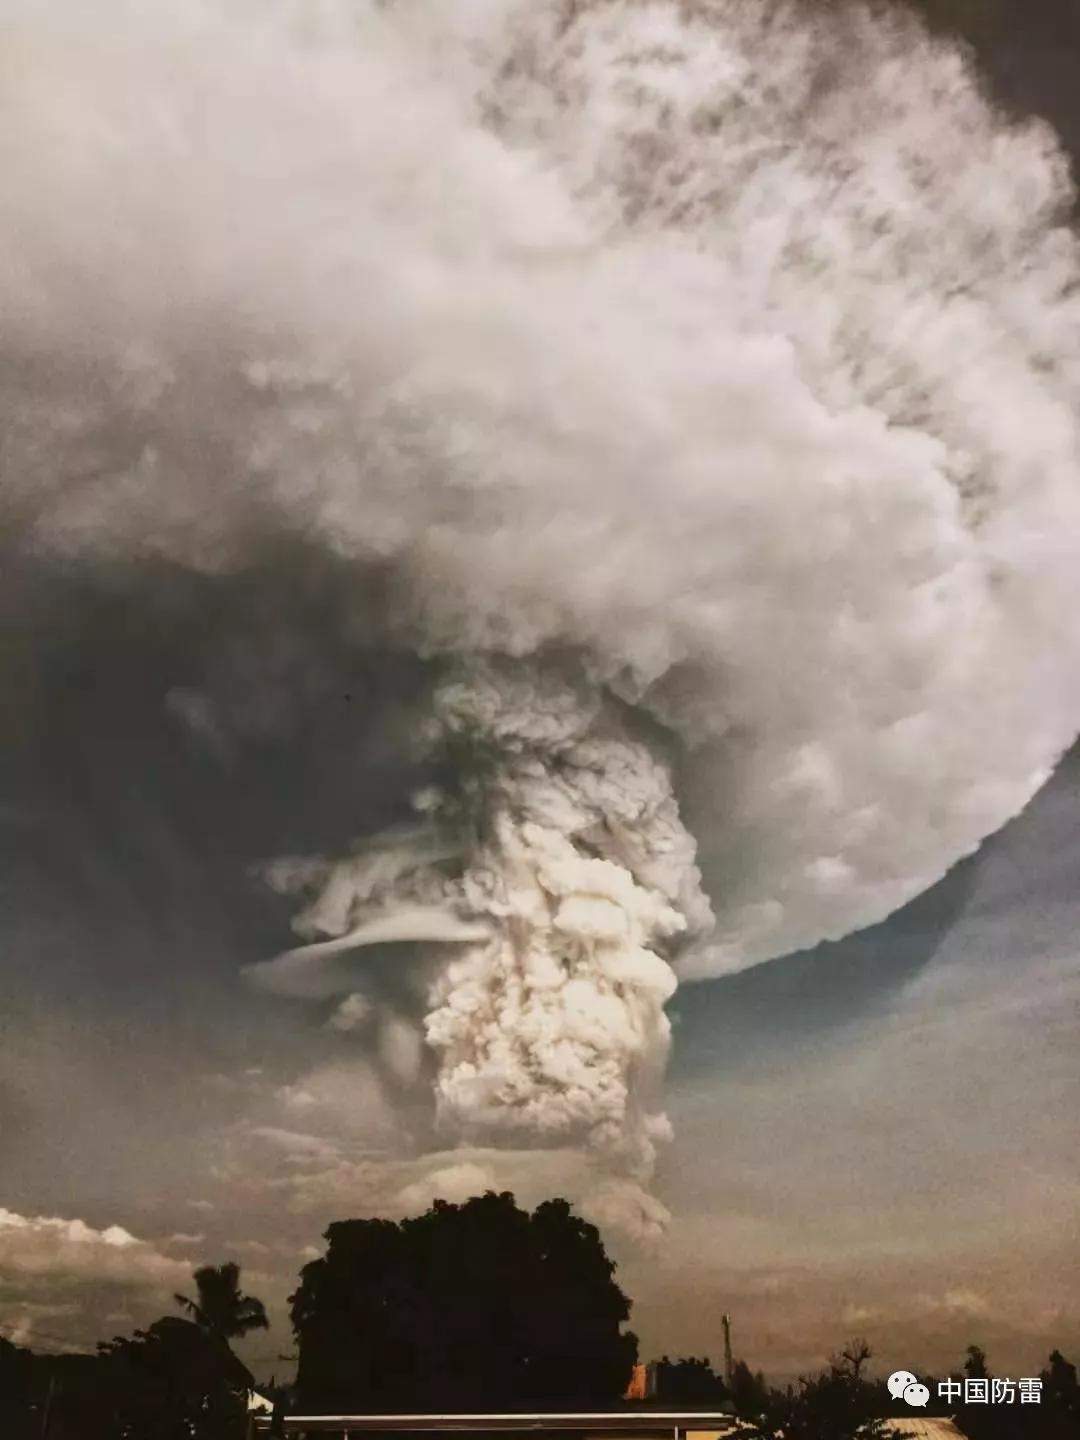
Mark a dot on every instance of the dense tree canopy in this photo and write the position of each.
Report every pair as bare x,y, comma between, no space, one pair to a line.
172,1381
689,1382
1056,1417
838,1404
474,1306
749,1393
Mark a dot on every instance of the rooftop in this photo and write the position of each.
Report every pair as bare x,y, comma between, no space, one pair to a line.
924,1427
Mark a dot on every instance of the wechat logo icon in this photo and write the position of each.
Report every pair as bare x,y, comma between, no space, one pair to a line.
902,1383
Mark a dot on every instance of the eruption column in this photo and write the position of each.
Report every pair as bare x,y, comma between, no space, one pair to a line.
570,857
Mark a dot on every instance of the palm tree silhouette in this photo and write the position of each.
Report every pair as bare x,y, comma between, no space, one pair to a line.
222,1309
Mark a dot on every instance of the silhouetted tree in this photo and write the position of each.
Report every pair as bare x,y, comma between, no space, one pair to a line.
222,1308
838,1404
1060,1387
17,1388
975,1363
176,1377
172,1381
748,1391
1056,1417
689,1382
480,1305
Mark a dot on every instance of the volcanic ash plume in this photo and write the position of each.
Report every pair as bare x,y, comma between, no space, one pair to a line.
732,349
562,840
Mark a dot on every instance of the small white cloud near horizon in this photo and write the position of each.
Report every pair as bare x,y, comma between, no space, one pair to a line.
55,1268
51,1247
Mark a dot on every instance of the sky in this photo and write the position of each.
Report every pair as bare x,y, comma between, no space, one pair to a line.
876,1135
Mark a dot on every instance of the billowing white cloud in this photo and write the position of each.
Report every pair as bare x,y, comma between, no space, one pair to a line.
54,1273
40,1246
396,1185
449,1182
620,1207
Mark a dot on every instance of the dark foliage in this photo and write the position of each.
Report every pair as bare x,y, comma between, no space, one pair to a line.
830,1405
749,1392
474,1306
1055,1417
839,1404
170,1382
689,1382
222,1308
